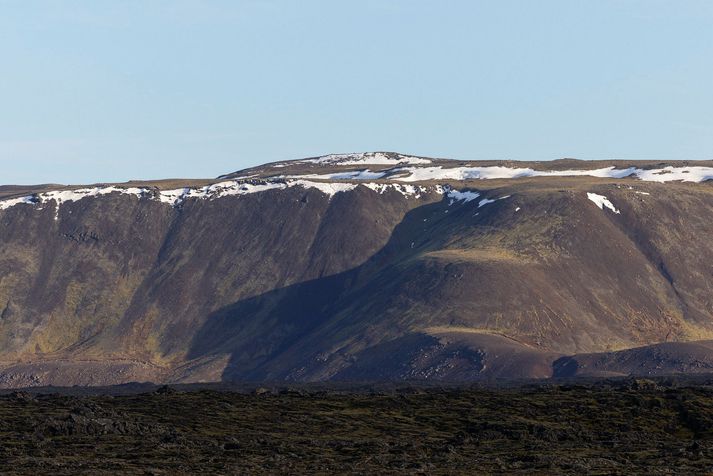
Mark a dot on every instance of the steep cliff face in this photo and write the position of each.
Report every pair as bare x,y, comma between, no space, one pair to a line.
330,270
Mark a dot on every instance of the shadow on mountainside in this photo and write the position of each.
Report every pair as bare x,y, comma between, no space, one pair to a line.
469,292
262,333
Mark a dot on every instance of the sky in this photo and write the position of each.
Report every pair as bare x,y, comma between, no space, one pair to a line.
113,90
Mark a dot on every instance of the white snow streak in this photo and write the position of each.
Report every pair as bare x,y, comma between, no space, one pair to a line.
374,158
329,189
353,175
666,174
5,204
403,189
232,188
239,186
64,196
601,201
177,196
488,201
466,196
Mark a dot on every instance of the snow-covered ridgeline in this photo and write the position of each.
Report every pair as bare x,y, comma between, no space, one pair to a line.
415,169
351,175
5,204
224,189
374,158
666,174
417,174
62,196
214,191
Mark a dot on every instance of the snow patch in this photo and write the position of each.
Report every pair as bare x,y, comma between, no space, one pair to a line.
63,196
28,200
235,188
672,174
488,201
216,190
417,174
403,189
177,196
352,175
375,158
465,196
601,201
226,189
329,189
173,197
666,174
60,197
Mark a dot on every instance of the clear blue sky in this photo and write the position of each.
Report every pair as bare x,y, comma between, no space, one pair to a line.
101,90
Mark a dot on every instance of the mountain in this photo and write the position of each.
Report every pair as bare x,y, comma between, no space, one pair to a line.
366,266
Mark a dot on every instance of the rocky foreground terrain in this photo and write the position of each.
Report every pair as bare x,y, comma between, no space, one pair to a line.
630,426
361,267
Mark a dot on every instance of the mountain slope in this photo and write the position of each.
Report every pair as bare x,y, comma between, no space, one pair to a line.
354,267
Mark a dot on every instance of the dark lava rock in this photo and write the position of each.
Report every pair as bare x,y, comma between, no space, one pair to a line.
21,396
165,390
262,391
91,419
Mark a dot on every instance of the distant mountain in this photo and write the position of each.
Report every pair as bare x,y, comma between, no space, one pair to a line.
370,266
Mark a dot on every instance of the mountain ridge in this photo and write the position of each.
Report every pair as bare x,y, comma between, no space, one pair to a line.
317,269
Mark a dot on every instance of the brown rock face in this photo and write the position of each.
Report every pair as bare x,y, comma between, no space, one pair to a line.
295,284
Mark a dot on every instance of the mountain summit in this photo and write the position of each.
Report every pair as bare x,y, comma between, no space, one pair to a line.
364,266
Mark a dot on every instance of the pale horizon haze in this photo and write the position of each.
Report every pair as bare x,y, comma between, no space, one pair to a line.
108,91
